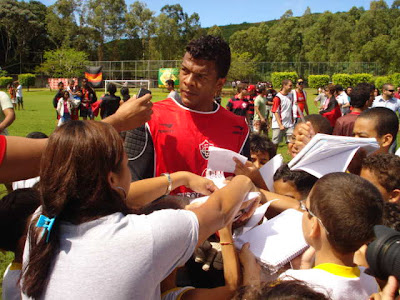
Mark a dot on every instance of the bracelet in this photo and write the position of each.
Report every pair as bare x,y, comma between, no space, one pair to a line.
226,244
169,188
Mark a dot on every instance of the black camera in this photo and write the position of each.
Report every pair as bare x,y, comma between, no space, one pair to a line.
383,254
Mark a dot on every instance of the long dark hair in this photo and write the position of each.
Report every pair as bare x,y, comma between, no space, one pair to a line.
74,188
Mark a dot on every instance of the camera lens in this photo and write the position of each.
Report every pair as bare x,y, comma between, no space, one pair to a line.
383,254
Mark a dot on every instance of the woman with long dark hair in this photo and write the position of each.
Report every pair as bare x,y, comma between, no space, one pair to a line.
85,241
331,108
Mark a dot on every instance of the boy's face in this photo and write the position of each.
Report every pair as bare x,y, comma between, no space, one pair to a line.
287,189
306,223
259,158
292,140
366,128
371,177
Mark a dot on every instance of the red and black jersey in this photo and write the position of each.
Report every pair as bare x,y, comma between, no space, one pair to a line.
182,137
251,105
239,106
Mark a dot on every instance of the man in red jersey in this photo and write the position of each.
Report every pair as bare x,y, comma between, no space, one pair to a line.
299,101
179,134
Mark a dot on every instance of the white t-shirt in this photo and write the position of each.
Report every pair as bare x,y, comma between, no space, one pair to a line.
345,284
10,286
19,91
120,257
23,184
283,105
5,102
174,95
343,99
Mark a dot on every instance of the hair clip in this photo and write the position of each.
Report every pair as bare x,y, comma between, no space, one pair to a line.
46,223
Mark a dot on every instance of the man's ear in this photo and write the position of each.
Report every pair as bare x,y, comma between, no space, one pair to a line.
387,140
220,83
394,196
315,230
112,179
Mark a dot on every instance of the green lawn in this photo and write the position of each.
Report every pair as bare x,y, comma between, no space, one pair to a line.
39,115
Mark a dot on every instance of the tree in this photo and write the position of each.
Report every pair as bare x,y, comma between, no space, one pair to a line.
242,66
288,14
396,4
63,63
140,23
215,31
106,18
307,11
378,4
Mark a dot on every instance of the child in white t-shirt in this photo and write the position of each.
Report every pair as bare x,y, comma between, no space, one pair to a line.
338,219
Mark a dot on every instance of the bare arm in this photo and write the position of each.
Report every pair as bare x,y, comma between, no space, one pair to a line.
278,120
231,272
262,118
282,203
9,118
22,158
222,206
145,191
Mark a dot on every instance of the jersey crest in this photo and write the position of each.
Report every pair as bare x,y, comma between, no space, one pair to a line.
204,149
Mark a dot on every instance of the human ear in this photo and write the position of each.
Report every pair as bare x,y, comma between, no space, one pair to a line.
220,83
112,179
394,196
387,140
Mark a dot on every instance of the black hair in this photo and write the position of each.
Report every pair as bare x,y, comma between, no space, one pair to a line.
212,48
125,93
386,168
302,180
365,85
261,143
359,96
319,123
391,215
386,120
170,82
111,88
37,135
15,209
338,88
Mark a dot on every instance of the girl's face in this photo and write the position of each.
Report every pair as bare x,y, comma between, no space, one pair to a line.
66,96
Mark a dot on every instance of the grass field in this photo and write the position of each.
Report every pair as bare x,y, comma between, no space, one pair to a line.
39,115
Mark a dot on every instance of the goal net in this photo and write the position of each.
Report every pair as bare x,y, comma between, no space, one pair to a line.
132,85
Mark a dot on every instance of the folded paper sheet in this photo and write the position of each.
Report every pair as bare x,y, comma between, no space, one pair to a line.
268,170
325,153
276,241
222,159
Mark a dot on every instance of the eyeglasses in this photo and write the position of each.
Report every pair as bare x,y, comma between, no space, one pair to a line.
391,91
301,82
305,208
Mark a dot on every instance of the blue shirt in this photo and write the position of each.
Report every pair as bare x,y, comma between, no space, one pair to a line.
393,103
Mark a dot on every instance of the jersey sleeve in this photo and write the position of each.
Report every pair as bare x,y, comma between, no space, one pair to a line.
277,103
229,105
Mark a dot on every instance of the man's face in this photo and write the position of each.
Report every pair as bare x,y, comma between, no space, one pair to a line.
287,87
365,128
259,158
199,83
398,89
389,91
371,177
293,152
300,85
61,87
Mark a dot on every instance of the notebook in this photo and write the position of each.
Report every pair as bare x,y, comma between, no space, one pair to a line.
276,241
222,159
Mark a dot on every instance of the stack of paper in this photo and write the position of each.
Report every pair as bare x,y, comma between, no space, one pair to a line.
276,241
326,154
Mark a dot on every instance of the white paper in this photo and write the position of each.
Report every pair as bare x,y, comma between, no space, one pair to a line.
325,154
249,196
222,159
268,170
278,240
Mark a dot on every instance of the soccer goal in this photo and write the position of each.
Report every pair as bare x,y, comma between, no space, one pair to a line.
133,85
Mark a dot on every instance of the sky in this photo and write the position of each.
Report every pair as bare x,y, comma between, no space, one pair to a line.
224,12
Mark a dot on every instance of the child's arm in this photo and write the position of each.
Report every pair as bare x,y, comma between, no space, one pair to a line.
251,171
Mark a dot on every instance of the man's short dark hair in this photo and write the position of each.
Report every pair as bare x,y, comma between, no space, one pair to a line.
111,88
359,96
386,168
391,215
170,82
261,143
386,86
338,88
302,180
386,120
212,48
319,123
365,85
285,82
37,135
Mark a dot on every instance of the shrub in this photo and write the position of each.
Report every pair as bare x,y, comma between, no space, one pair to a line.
277,78
316,81
395,79
380,81
26,79
344,80
361,77
4,81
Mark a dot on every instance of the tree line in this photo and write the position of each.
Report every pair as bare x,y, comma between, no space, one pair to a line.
110,30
